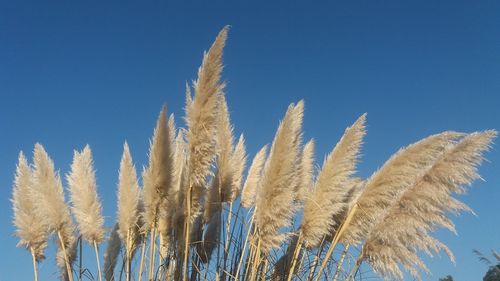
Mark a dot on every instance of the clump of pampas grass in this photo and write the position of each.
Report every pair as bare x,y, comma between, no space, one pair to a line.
205,223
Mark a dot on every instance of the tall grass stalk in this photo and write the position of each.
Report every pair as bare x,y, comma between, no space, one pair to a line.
65,253
341,262
35,270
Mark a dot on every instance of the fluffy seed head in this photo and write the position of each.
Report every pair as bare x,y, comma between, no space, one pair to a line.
274,207
332,185
86,206
250,188
29,228
128,197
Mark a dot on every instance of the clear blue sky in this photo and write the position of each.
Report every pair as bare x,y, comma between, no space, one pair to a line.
97,72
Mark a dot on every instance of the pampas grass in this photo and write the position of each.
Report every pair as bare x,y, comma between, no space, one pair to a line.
250,188
274,207
86,206
52,209
31,232
423,207
203,225
327,200
128,206
201,119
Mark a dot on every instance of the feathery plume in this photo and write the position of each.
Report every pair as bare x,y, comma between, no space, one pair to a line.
48,190
238,162
159,171
201,119
32,233
225,146
306,171
179,189
274,205
423,207
86,205
253,178
128,199
111,254
52,209
398,174
331,186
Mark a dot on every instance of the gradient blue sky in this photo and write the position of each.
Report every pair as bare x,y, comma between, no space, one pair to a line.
97,72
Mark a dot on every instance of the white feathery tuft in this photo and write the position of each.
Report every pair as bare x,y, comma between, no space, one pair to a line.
31,232
423,207
48,190
252,182
385,186
159,173
86,206
238,163
275,200
332,184
306,169
225,146
201,119
129,197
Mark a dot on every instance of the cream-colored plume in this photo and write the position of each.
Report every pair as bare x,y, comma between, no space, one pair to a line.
238,163
159,174
250,188
332,184
305,188
31,232
275,200
128,199
384,187
48,190
201,119
424,207
86,206
225,146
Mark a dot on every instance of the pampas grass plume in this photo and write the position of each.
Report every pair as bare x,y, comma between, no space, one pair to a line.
86,205
331,186
250,188
31,232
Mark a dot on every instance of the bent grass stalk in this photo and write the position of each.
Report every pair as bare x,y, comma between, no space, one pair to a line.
335,240
295,256
340,263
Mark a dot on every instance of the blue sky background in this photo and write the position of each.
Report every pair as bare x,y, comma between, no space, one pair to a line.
97,72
